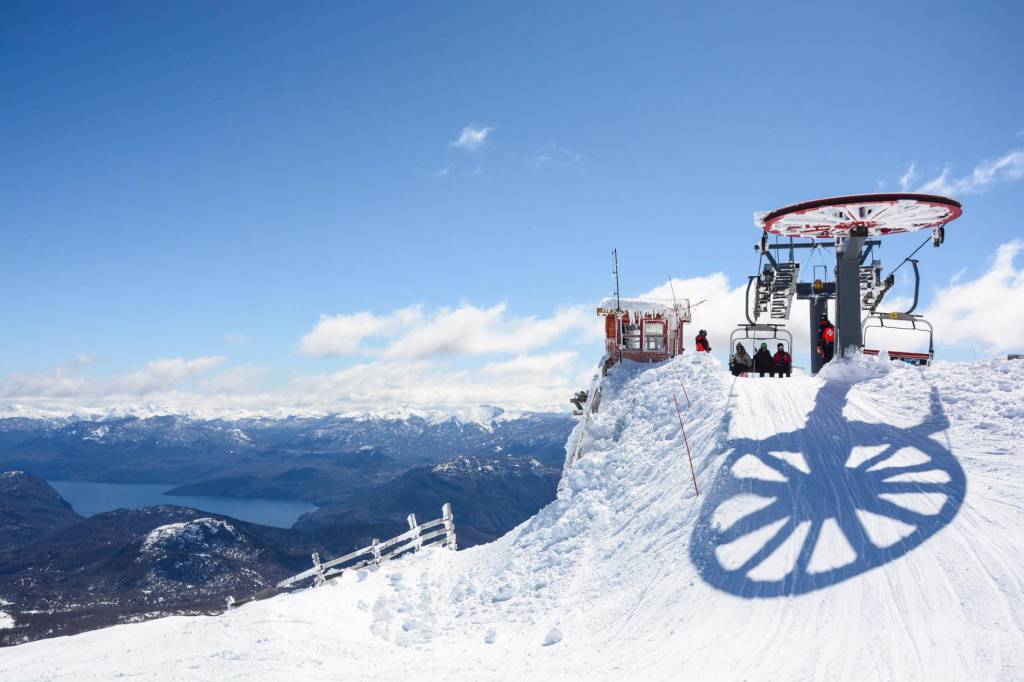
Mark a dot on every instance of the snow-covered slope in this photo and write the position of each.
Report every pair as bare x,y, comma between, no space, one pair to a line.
865,524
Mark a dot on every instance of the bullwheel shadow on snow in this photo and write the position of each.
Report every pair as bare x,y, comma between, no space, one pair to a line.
804,510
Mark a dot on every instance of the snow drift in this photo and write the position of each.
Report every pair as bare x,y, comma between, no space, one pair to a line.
864,524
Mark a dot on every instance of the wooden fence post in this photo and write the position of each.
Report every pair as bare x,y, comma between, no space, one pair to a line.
375,548
449,526
414,527
319,579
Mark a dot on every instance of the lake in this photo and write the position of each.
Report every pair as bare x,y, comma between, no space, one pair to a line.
88,498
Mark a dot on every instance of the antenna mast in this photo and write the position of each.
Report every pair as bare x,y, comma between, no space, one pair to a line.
618,305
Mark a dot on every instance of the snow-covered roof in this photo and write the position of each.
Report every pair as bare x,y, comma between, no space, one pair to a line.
643,306
634,305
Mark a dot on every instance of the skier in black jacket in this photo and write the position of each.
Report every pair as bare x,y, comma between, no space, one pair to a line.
763,360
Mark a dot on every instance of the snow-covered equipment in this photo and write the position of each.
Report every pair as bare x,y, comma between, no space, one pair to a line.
578,401
751,333
440,532
851,225
593,402
642,330
917,323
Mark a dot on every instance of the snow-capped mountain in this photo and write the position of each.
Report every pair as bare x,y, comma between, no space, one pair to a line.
179,449
862,524
491,494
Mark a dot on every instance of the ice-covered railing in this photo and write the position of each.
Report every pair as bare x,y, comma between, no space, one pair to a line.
591,406
439,532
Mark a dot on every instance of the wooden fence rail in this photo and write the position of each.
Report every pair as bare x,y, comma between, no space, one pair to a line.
418,536
590,407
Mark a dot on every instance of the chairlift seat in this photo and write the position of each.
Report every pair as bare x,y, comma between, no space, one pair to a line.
912,358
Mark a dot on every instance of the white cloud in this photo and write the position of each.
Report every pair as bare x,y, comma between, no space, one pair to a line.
344,334
520,384
986,312
238,379
68,381
472,138
908,178
546,365
720,312
418,360
162,374
1007,168
467,330
553,155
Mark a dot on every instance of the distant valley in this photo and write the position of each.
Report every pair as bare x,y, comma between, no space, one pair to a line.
62,573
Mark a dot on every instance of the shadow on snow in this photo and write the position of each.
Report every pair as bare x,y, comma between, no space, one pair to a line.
765,546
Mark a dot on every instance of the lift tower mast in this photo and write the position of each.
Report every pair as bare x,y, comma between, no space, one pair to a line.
844,224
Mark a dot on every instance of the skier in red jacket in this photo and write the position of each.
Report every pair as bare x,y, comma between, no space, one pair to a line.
782,362
826,339
703,345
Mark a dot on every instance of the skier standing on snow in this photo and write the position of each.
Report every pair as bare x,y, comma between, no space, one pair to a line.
826,339
703,345
763,360
782,362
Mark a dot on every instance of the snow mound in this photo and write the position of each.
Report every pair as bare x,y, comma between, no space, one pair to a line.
196,533
862,525
858,367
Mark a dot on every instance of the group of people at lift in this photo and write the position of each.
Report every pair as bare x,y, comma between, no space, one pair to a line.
781,363
763,362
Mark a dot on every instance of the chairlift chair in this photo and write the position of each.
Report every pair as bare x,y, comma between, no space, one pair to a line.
917,323
750,330
755,334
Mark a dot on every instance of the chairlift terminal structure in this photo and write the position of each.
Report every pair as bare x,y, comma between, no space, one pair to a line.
852,226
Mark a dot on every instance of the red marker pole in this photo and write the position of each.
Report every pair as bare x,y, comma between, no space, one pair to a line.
685,440
685,394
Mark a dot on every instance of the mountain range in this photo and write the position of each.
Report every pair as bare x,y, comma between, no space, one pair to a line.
61,573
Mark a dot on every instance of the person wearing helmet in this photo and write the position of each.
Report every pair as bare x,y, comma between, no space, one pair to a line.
703,345
763,360
782,362
826,339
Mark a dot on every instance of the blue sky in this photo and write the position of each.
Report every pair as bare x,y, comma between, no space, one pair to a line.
196,180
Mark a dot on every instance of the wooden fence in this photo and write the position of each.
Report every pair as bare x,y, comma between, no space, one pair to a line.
438,532
590,407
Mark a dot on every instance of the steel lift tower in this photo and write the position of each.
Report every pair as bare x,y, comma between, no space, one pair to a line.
850,225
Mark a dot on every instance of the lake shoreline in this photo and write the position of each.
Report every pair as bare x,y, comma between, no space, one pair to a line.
89,498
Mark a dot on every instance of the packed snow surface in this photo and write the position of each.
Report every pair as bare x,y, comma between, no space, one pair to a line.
864,524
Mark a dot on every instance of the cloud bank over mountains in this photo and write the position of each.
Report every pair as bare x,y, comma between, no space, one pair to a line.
453,359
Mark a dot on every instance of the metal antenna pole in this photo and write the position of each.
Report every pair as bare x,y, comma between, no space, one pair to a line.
675,312
618,305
